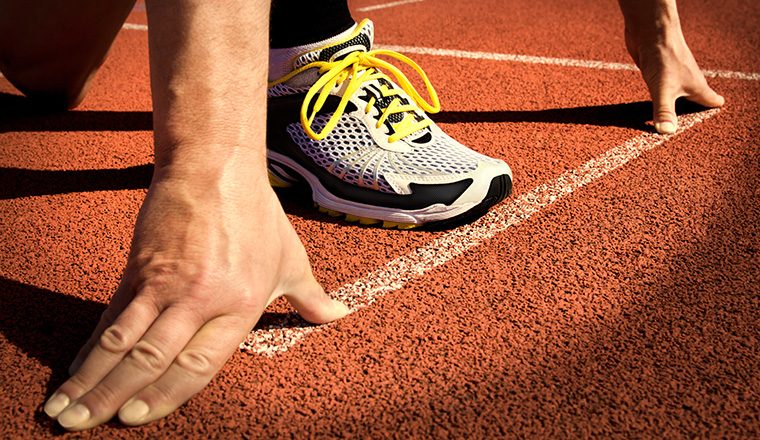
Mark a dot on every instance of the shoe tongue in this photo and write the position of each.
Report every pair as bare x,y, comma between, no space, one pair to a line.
373,90
360,40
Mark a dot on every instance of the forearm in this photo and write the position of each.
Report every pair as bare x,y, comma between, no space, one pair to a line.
208,65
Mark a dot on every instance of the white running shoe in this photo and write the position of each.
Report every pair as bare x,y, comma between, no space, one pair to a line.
365,146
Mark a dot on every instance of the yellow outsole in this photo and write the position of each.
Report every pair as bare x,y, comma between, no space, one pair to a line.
275,182
366,221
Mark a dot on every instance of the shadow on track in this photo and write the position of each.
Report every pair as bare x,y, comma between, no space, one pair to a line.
635,115
48,326
19,114
20,182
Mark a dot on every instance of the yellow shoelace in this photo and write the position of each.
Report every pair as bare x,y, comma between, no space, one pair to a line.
359,67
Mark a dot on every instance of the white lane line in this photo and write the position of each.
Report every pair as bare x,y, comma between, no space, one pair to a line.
286,332
748,76
135,27
528,59
567,62
387,5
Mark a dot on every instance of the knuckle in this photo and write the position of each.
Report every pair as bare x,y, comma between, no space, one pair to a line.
148,357
101,397
195,361
75,386
113,340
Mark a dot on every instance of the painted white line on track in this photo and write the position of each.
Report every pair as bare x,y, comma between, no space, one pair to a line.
286,332
135,27
387,5
567,62
528,59
509,57
731,75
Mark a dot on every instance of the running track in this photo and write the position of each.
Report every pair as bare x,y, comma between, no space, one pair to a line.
615,294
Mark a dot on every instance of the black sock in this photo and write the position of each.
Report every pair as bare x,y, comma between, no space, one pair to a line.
299,22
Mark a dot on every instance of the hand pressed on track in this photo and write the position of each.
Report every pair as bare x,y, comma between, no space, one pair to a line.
204,264
670,72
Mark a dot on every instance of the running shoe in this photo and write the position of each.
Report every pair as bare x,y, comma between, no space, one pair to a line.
363,143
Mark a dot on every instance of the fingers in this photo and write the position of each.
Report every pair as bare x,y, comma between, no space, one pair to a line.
118,303
664,101
671,73
146,375
122,363
190,372
108,344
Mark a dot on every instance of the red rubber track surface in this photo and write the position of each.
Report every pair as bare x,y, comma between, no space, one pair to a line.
627,309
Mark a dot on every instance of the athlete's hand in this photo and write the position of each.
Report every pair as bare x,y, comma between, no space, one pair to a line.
206,259
670,72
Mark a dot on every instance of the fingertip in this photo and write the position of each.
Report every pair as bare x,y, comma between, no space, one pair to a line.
134,412
664,115
75,418
665,127
341,310
712,100
56,404
329,312
720,100
707,98
318,308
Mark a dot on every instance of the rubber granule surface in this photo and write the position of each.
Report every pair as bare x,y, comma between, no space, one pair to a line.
626,307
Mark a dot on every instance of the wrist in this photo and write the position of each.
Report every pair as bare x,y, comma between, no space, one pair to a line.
212,166
651,21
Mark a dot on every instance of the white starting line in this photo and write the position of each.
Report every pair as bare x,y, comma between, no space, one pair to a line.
286,332
387,5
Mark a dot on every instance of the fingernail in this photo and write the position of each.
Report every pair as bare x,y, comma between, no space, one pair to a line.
344,309
56,404
133,412
665,127
76,415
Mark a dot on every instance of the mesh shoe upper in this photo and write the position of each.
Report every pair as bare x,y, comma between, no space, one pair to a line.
355,149
369,130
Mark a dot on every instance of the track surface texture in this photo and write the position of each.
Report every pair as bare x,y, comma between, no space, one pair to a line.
602,299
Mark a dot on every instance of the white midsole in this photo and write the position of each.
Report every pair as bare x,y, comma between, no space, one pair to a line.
431,213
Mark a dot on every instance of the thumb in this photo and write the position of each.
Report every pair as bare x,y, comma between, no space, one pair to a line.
313,304
664,117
